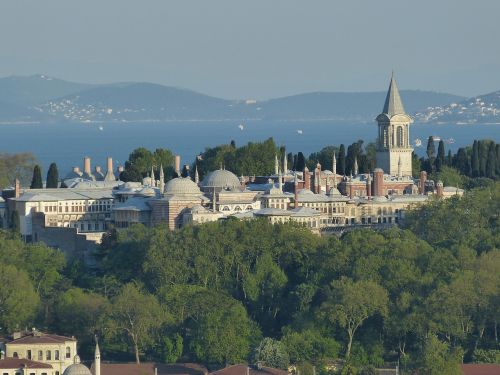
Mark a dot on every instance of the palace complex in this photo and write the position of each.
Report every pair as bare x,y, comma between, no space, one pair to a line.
75,218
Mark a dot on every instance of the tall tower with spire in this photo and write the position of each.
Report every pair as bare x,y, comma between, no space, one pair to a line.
393,145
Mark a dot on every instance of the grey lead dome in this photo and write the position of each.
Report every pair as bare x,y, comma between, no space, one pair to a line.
221,178
181,186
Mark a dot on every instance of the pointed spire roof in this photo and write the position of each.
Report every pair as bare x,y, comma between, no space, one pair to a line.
393,104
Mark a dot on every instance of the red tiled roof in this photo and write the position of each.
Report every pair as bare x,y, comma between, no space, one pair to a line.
243,369
148,368
16,363
481,369
41,338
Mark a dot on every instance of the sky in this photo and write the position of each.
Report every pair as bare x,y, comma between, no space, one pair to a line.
257,48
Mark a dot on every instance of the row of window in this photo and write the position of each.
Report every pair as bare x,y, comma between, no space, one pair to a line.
48,355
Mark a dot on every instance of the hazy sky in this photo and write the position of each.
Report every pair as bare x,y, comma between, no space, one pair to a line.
258,48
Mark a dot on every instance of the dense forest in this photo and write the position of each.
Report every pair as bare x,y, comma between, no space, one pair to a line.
426,295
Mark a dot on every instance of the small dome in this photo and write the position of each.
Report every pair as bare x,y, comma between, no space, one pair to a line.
181,186
147,192
77,368
221,179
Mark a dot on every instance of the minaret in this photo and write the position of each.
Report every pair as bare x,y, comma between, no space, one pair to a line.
276,165
334,170
355,166
196,175
296,192
327,185
280,183
162,179
153,181
394,135
285,164
97,359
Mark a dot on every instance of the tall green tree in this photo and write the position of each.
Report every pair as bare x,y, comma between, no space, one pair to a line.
491,161
272,353
440,159
462,162
18,300
52,177
36,181
134,316
301,162
352,302
438,359
475,159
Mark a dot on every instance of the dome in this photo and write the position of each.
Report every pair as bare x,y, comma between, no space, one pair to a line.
77,368
147,192
181,186
221,179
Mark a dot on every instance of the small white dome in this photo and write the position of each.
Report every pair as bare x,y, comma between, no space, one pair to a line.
181,186
77,368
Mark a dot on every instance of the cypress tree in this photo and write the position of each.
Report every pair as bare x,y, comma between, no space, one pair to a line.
301,162
36,181
431,149
462,162
491,161
449,159
341,167
52,177
497,148
475,159
440,155
483,157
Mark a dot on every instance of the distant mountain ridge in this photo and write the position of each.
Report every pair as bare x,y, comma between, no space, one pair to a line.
44,99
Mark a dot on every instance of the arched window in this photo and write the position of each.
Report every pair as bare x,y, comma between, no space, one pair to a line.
40,355
68,352
399,136
48,355
56,355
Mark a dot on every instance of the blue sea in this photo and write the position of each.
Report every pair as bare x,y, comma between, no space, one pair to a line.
67,144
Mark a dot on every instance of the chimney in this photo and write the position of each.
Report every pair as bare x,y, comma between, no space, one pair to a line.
327,185
439,189
369,186
378,182
17,188
296,193
110,163
423,179
86,165
248,370
307,178
177,165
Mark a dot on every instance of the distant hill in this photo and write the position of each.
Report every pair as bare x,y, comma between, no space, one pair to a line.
36,89
364,106
41,98
480,109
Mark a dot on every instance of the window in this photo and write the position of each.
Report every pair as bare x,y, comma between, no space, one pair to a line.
399,136
68,352
28,354
56,355
15,355
40,355
48,355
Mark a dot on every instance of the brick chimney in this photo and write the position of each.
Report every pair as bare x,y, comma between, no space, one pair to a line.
378,182
307,178
86,165
440,189
423,179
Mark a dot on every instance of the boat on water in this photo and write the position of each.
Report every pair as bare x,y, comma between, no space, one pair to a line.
241,126
449,141
299,131
418,142
436,138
